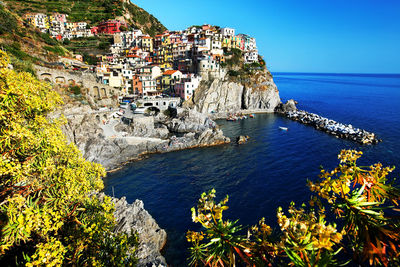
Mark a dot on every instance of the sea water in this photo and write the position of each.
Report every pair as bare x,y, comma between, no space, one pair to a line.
271,170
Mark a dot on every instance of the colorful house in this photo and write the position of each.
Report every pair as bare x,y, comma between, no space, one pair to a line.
146,43
137,88
111,26
38,20
169,78
186,87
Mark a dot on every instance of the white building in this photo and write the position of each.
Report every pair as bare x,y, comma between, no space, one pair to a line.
227,32
149,85
81,25
186,87
127,74
251,56
203,44
207,64
215,44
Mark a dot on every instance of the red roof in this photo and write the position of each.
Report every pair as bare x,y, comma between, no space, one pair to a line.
169,72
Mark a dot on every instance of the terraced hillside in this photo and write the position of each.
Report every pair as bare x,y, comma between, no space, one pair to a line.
26,45
92,11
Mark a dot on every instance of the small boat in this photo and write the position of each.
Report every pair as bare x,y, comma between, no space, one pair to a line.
251,115
231,119
283,128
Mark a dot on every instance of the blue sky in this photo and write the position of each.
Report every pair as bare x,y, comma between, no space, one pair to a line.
339,36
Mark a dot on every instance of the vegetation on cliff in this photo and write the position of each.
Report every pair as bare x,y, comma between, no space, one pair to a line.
92,11
49,212
25,45
364,204
239,71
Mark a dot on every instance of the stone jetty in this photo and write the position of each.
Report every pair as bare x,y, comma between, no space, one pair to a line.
345,131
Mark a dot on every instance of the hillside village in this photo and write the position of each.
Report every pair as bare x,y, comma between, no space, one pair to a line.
169,64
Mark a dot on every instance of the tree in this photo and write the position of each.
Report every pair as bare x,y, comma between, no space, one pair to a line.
360,197
49,211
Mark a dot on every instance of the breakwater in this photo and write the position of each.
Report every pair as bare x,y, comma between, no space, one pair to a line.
345,131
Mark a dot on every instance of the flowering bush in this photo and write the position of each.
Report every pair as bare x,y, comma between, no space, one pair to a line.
49,214
360,198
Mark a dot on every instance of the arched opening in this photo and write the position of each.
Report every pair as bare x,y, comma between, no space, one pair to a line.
60,80
46,77
95,92
103,92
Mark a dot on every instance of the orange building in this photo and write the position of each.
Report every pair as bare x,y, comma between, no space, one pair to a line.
137,87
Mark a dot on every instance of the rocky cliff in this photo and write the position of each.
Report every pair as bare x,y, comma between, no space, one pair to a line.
134,218
107,140
226,94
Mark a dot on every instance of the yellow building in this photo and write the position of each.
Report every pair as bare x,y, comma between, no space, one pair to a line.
169,78
227,42
147,43
38,20
164,57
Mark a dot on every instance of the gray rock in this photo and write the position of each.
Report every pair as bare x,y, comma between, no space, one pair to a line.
221,95
290,105
133,217
242,139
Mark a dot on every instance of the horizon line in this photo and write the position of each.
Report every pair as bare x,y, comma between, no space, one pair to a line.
335,73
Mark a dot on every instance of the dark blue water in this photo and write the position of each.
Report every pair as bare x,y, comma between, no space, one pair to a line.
272,169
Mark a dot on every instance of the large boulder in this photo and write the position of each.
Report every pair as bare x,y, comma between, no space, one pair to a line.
290,105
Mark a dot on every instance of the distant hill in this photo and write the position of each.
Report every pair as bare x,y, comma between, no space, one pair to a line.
92,11
27,45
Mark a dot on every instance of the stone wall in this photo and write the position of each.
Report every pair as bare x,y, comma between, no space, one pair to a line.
86,80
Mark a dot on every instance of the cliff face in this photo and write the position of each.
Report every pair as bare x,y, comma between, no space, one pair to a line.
224,94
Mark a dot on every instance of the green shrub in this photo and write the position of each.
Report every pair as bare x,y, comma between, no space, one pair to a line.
55,49
8,23
48,40
75,89
233,73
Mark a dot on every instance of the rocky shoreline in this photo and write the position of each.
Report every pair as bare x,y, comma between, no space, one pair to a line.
340,130
107,140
